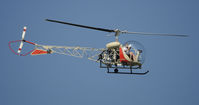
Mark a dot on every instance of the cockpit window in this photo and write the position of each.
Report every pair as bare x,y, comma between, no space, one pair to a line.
137,49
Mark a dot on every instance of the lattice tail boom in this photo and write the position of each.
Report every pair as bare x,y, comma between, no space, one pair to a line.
80,52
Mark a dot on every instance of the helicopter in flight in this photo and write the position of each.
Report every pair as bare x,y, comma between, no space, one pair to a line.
129,56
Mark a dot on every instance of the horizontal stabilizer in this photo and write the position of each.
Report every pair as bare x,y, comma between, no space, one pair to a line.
39,52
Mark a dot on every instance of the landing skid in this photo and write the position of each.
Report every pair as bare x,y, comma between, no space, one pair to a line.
116,71
129,73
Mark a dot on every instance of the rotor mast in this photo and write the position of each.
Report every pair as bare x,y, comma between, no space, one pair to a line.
117,33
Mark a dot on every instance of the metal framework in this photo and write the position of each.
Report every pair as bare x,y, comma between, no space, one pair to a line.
80,52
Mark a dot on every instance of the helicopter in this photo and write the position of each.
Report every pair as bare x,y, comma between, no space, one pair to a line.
127,56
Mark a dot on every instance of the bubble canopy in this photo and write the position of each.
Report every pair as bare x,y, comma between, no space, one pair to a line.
135,47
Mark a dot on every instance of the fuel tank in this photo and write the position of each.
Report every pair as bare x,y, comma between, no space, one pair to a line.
113,45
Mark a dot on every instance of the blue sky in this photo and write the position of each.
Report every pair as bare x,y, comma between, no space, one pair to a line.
64,80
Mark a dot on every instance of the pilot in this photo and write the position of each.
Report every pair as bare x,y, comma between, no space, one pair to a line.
127,49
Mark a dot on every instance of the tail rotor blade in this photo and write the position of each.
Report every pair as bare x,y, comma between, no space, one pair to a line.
20,47
24,32
23,36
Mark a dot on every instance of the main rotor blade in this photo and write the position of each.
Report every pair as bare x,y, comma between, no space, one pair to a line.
157,34
83,26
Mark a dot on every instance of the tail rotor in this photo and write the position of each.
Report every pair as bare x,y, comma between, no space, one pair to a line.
22,40
18,50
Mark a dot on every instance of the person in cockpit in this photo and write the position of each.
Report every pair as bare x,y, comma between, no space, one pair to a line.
127,49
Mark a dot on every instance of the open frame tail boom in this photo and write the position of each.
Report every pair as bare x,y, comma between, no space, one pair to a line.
80,52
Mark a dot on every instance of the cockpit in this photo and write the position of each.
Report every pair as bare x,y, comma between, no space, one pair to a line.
135,51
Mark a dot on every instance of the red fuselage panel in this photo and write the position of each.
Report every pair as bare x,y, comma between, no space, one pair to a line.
122,58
